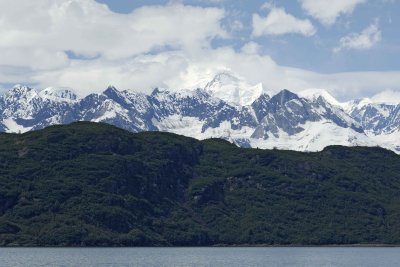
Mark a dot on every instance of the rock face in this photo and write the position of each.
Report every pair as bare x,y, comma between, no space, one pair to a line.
227,108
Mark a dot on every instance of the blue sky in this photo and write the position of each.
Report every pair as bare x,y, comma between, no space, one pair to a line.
313,53
349,47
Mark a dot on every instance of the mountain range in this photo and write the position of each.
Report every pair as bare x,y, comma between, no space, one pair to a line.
227,107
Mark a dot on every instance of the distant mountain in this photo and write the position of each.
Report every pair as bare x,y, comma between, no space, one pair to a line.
306,124
228,107
234,90
380,121
93,184
376,118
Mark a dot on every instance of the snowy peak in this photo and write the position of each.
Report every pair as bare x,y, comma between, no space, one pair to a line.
376,118
111,89
20,89
225,77
234,90
112,93
282,97
59,94
329,107
319,94
158,91
287,115
20,92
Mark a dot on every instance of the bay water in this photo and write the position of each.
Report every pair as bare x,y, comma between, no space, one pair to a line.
202,256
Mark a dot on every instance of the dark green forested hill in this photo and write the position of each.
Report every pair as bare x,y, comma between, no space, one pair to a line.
94,184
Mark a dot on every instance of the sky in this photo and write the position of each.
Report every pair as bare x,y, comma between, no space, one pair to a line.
349,47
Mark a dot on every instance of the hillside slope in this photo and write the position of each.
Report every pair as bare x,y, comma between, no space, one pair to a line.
88,184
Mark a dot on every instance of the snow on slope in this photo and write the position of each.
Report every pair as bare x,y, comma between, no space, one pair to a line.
193,127
314,93
376,118
13,127
59,94
389,141
315,137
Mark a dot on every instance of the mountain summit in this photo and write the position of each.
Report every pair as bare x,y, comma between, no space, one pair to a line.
234,90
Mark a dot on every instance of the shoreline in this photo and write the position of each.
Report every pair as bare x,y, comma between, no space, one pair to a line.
226,246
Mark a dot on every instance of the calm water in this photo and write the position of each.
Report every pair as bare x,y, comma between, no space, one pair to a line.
226,257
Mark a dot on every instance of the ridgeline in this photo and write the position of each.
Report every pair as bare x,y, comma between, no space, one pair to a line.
88,184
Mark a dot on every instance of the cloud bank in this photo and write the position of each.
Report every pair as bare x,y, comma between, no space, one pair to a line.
83,45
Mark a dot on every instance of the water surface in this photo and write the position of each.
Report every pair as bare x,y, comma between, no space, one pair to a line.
226,257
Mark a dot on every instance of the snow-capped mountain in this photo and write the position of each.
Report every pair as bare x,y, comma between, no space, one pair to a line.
380,121
227,107
234,90
306,124
376,118
23,109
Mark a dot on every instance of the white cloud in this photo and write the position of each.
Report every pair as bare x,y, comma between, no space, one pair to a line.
369,37
236,25
251,48
387,96
327,11
41,30
268,6
278,21
178,70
